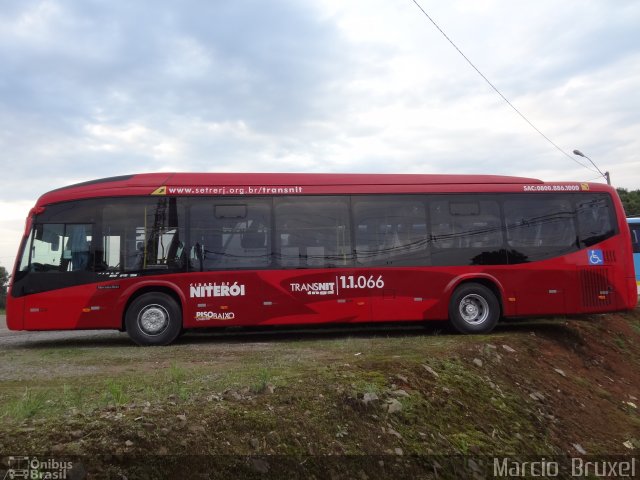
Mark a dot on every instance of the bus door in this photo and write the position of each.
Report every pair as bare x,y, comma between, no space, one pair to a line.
59,277
390,232
313,260
223,298
397,294
230,240
541,231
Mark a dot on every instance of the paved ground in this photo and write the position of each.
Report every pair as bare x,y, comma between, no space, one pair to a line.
10,339
246,335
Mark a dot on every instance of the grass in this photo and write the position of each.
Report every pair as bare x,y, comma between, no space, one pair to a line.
282,396
262,381
27,405
72,396
116,393
176,381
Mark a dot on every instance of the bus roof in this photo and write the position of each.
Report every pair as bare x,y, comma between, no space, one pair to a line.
309,183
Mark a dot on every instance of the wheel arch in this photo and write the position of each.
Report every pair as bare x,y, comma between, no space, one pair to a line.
136,291
486,280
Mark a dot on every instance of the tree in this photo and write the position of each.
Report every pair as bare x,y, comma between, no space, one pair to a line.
4,280
630,201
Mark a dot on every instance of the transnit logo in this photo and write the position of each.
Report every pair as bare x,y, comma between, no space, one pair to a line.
316,288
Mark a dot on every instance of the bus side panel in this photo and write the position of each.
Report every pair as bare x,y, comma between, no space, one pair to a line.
81,307
354,295
408,294
311,296
15,312
544,289
222,298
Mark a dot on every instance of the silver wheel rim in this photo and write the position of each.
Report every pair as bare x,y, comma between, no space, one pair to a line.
153,319
474,309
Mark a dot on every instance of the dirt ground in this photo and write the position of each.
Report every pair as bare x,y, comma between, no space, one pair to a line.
367,402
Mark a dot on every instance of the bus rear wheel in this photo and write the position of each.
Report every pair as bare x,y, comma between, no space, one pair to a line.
153,319
474,308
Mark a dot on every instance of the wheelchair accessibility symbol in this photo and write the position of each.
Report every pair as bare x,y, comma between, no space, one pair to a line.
596,257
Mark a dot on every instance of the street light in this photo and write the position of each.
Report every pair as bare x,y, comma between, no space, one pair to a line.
605,174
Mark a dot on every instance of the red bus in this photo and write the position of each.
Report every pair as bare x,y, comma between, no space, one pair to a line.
155,254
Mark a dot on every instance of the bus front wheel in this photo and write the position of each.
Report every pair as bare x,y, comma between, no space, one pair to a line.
153,319
474,308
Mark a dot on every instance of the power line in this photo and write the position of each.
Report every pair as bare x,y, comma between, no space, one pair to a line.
592,179
604,175
498,91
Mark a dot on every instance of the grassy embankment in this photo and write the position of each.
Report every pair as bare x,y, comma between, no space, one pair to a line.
538,388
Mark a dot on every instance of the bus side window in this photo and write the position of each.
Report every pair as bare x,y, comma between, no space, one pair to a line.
460,222
543,222
313,232
139,234
390,230
78,247
595,222
230,233
46,248
442,235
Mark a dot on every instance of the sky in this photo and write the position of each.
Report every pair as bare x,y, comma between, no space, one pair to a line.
99,88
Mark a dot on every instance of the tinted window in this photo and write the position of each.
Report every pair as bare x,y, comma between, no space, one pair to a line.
228,234
539,222
142,235
635,237
313,232
63,239
60,247
457,223
595,219
390,230
466,230
539,226
79,242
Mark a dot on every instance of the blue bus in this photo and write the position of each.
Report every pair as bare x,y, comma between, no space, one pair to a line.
634,226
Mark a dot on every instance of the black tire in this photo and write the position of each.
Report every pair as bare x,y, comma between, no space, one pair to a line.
474,308
153,319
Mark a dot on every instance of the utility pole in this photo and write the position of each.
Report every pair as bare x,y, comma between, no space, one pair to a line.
605,175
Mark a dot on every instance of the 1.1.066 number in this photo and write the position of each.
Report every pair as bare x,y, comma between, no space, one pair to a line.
361,281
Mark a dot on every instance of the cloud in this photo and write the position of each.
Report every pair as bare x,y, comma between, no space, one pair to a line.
94,87
97,89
